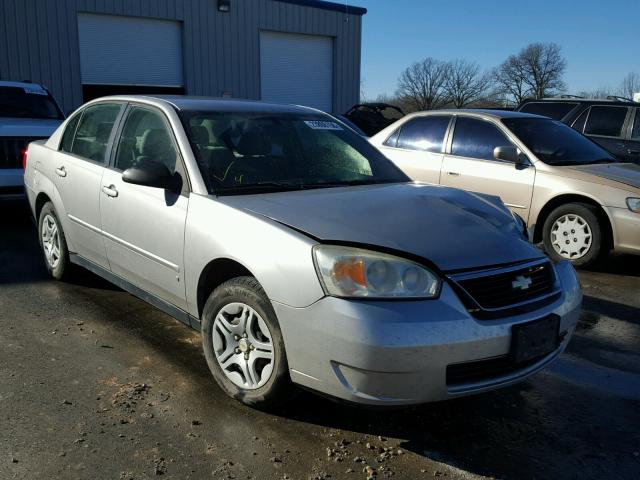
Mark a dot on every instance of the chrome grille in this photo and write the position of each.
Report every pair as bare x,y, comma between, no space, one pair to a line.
11,150
504,288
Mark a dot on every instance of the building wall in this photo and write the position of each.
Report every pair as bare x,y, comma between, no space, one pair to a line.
39,42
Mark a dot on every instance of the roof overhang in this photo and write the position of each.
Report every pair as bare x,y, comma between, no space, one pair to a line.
337,7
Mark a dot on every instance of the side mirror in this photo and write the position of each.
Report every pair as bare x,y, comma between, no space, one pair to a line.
507,154
511,154
150,173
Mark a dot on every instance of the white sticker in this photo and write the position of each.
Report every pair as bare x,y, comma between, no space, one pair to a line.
35,90
323,125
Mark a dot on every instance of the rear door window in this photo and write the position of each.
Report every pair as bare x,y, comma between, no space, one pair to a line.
555,110
606,121
424,133
475,138
94,130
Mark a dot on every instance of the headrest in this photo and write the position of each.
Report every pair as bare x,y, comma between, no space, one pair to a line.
254,142
200,135
154,141
102,132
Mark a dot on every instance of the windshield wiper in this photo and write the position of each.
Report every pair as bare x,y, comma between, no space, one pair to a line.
568,163
261,186
604,160
349,183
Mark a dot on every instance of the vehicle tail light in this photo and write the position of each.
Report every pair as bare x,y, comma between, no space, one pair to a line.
24,158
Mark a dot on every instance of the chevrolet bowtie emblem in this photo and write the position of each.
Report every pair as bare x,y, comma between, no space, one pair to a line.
523,283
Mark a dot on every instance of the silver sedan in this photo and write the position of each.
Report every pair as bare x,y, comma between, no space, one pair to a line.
302,254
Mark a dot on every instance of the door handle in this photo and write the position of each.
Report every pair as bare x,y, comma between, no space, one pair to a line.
633,152
110,190
453,174
61,171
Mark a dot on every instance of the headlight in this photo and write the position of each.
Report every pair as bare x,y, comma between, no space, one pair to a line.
355,272
634,204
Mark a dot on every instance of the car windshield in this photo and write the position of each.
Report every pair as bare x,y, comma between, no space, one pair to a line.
555,143
29,102
242,153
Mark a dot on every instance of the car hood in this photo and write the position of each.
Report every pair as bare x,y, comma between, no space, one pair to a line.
28,127
626,173
452,228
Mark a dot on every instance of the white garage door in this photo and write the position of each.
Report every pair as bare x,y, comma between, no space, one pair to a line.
118,50
297,69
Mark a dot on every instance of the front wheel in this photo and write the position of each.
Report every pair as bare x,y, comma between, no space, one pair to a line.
243,344
573,232
53,242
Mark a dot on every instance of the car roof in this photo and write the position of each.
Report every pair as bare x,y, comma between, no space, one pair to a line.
213,104
479,112
598,101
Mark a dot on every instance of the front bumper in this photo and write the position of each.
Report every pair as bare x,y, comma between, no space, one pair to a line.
626,230
397,352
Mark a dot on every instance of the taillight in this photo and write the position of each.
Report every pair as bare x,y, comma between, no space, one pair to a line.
24,158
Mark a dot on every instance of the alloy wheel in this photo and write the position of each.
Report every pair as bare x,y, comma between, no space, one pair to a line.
243,346
571,236
51,240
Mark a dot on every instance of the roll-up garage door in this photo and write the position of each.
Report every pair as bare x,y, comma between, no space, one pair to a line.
297,69
118,50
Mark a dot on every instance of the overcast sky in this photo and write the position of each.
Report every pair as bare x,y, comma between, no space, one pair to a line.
600,39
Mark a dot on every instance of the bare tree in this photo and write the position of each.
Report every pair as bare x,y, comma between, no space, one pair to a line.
600,92
509,79
422,85
465,83
536,71
630,85
544,67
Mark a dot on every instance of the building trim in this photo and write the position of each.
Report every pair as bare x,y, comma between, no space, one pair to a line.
337,7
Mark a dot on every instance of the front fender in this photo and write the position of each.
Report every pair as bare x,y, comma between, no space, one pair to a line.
280,258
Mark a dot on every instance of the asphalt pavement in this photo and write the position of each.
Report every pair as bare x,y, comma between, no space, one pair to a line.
95,383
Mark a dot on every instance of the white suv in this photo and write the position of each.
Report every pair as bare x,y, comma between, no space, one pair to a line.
27,112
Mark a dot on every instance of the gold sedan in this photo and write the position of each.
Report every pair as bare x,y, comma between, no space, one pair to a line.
574,196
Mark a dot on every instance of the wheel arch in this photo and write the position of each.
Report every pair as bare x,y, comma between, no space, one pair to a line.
603,216
41,200
215,273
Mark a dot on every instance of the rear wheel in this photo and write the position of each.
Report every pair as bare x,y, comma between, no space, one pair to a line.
53,242
573,232
243,344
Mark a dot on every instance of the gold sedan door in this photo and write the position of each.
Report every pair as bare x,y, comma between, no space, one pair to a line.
471,165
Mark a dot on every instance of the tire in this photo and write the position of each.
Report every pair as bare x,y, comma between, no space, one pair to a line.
573,232
236,349
53,243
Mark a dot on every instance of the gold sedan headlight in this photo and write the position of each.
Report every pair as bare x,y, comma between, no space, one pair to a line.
634,204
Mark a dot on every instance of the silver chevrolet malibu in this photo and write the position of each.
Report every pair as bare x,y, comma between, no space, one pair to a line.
299,251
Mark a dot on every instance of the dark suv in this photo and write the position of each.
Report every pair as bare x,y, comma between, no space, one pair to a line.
614,123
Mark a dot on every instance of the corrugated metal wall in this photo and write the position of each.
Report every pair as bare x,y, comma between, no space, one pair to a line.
39,41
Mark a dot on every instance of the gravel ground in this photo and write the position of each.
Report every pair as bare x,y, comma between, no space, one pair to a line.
94,383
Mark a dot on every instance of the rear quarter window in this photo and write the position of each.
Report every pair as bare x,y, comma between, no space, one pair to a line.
67,138
635,134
